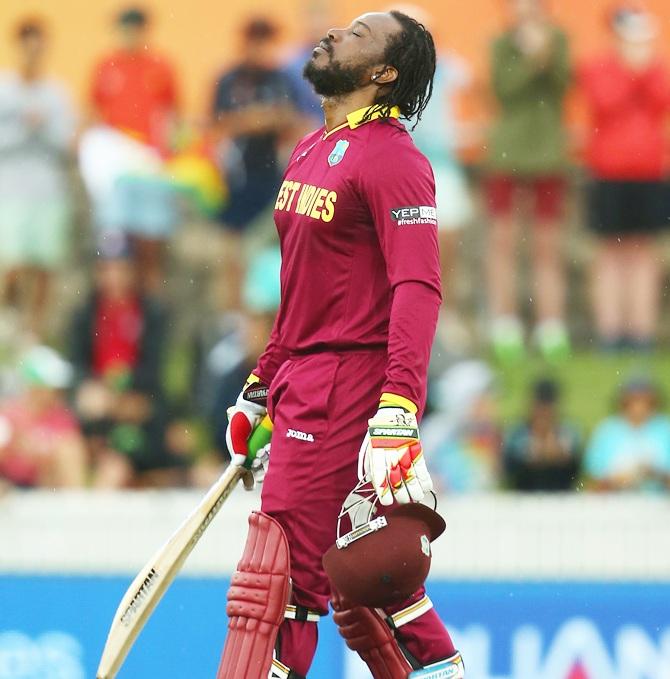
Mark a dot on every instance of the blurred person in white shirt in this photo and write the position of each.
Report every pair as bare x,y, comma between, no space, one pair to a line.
36,131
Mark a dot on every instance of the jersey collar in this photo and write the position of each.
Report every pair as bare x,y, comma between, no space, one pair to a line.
354,118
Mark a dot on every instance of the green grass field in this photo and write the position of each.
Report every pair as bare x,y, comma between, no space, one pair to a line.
589,382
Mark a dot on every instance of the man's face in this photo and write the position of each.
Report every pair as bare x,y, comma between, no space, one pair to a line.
639,406
31,48
132,36
347,58
115,278
527,10
260,52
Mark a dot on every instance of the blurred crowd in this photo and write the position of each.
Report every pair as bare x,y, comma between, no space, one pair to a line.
137,251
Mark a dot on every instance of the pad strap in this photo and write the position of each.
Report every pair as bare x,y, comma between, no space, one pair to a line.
451,668
281,671
257,599
412,612
301,614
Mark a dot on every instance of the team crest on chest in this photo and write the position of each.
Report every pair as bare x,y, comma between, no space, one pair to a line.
338,152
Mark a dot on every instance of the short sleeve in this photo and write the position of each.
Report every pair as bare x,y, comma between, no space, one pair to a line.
97,86
170,90
597,458
665,446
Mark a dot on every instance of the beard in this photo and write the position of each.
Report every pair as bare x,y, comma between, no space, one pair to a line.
334,79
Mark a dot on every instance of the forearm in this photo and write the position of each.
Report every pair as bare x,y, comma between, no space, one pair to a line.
511,78
412,325
607,93
58,128
272,358
558,65
512,71
253,120
654,87
12,137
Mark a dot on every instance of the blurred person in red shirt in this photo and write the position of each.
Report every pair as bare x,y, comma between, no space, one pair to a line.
628,95
116,344
134,88
40,440
134,92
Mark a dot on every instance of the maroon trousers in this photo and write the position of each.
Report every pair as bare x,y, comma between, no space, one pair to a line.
320,404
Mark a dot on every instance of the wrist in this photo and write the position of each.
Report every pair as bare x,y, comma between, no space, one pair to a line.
391,400
255,391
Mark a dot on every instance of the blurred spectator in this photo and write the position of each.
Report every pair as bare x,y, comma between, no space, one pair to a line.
36,130
40,440
631,450
255,334
437,137
230,360
316,15
628,93
251,110
117,342
461,436
134,93
543,452
530,73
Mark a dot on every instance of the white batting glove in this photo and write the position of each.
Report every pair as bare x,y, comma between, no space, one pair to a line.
259,468
244,417
391,457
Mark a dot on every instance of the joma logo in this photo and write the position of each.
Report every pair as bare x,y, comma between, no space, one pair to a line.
300,435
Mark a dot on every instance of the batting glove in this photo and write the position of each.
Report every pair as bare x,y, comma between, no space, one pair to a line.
257,469
391,456
244,417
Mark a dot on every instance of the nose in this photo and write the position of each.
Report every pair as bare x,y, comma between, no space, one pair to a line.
334,34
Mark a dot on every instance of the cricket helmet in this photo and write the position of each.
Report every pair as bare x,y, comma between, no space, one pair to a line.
385,557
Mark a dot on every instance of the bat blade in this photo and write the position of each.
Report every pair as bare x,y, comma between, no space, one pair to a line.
148,587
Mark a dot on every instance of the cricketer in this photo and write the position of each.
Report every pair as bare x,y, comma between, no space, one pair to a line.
346,362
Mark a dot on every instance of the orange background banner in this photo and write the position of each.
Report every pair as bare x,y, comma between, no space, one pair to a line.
201,36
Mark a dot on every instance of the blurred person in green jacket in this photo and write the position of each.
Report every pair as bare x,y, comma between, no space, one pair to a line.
526,164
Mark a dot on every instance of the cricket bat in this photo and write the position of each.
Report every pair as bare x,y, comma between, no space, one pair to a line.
156,576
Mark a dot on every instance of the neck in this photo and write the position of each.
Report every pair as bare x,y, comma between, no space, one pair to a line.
336,109
29,71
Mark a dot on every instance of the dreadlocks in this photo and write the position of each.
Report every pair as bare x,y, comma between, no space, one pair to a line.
412,53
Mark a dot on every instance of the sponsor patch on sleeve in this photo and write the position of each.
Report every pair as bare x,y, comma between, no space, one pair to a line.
414,214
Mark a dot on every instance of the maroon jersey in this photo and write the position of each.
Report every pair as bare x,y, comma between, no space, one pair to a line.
360,266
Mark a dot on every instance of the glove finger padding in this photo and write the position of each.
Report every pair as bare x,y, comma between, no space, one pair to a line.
238,432
394,457
364,471
244,416
379,474
410,465
259,467
421,471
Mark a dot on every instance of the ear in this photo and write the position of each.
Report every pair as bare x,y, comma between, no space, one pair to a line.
385,75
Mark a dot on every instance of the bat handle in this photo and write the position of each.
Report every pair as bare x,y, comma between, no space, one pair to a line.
259,438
